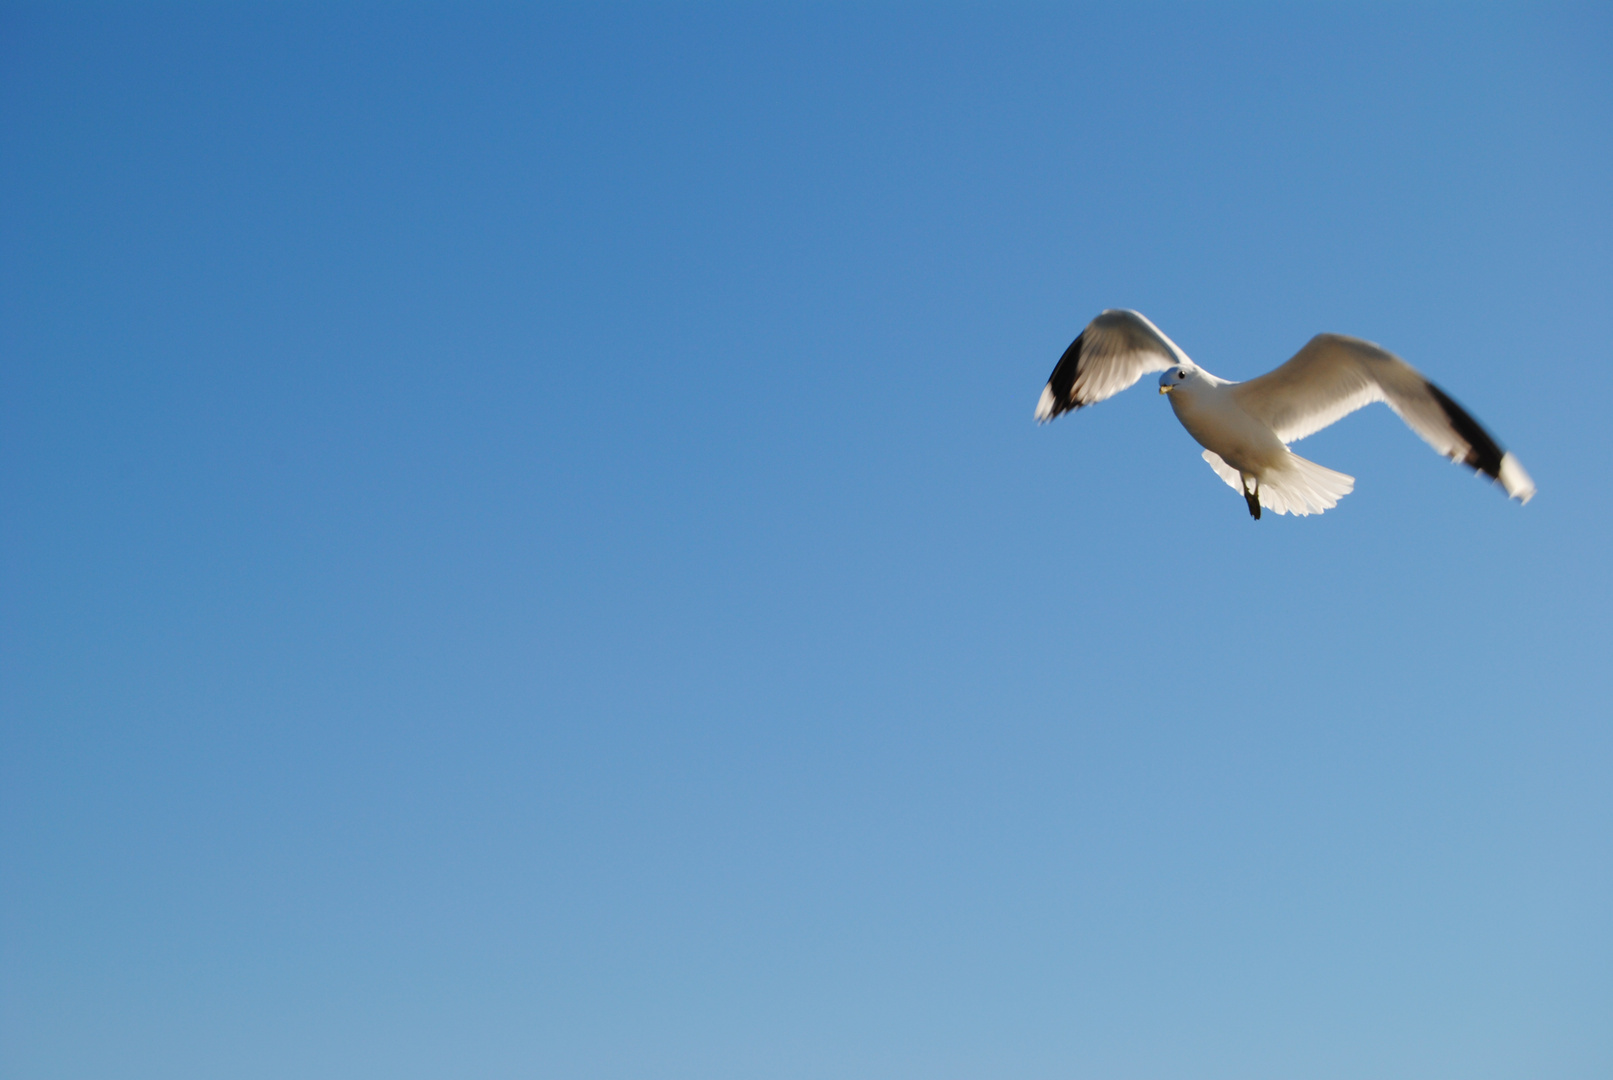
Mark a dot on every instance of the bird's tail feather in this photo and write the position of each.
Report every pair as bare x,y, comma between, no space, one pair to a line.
1299,486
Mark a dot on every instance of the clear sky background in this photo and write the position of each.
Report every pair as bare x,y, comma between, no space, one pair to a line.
526,552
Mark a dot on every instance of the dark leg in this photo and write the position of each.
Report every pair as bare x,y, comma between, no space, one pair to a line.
1251,495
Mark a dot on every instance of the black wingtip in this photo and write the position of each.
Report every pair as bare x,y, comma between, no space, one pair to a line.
1062,382
1483,455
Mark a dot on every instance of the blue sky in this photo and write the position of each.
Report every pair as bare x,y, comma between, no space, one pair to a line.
526,552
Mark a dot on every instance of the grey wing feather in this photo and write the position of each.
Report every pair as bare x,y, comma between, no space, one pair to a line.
1334,375
1113,352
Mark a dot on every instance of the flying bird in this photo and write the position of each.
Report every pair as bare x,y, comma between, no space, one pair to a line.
1245,427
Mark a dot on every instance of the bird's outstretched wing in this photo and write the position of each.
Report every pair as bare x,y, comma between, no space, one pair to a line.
1115,350
1334,375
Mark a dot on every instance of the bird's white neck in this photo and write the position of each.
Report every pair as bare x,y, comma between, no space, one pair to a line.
1209,379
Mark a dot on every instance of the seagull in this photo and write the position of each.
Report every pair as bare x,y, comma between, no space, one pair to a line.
1245,427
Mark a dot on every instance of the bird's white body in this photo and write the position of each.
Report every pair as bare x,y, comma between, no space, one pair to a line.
1207,409
1246,453
1245,427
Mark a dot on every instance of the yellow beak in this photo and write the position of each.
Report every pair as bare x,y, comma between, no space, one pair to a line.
1164,389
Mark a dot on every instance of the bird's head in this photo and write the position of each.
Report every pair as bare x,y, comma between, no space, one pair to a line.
1175,377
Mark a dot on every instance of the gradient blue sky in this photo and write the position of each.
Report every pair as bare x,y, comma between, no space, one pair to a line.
526,552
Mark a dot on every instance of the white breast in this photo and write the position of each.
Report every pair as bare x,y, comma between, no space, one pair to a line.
1212,416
